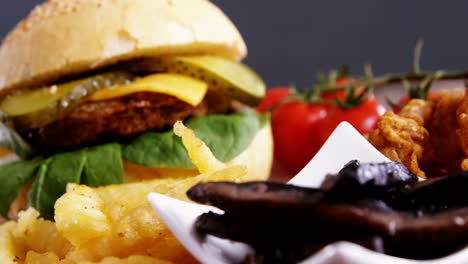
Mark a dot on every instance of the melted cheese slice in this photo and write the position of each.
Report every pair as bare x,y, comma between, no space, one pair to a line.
184,88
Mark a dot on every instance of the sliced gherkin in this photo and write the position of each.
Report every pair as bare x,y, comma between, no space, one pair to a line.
37,108
236,79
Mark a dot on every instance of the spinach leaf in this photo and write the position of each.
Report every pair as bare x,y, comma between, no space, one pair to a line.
10,140
37,188
103,165
226,135
97,166
52,180
13,176
164,150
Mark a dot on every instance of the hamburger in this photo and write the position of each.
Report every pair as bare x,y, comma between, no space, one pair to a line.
90,89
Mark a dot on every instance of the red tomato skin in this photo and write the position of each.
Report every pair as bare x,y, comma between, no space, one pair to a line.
273,96
405,99
333,95
340,94
343,81
296,128
363,117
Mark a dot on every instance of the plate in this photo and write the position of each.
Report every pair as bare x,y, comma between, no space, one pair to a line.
344,144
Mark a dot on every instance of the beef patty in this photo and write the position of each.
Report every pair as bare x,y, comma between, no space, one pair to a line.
117,118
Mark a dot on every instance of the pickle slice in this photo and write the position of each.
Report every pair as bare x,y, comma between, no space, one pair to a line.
37,108
236,79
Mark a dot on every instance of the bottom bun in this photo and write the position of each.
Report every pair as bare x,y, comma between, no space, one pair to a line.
258,157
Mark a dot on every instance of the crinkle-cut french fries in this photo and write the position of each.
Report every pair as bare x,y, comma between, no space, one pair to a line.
31,234
135,229
79,215
40,235
44,258
112,224
9,250
50,258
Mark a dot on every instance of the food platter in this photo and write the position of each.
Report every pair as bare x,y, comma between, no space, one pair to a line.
93,130
343,145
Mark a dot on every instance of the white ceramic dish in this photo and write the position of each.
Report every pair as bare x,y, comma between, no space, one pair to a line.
344,144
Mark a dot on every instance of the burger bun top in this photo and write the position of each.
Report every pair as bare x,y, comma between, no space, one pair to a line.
65,37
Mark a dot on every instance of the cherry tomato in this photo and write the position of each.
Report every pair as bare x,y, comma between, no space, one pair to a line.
431,96
272,97
296,127
301,127
363,117
341,82
332,95
340,94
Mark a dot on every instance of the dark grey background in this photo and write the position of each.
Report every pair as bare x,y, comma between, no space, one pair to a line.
289,41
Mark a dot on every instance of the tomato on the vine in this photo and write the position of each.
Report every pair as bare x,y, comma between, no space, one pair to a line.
273,96
419,91
339,93
295,128
363,117
303,122
343,81
360,108
431,96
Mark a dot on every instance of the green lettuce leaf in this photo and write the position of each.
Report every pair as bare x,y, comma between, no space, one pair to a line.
103,165
226,135
12,177
52,179
96,166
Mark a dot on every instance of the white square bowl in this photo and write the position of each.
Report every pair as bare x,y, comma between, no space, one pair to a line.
343,145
